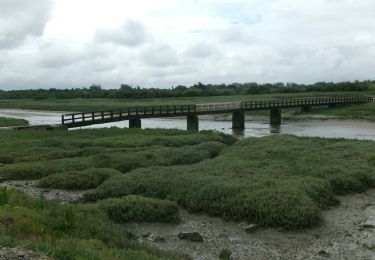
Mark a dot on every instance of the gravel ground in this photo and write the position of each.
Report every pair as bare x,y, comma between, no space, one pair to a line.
19,253
61,196
347,232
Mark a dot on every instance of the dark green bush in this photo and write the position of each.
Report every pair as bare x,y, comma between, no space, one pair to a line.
68,232
77,180
139,209
281,181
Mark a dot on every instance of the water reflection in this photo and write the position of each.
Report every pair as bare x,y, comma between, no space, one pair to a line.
352,129
275,129
238,132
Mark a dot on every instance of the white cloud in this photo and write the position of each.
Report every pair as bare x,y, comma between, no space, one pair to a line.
168,42
20,19
131,33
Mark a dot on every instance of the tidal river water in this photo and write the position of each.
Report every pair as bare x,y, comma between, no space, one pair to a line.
329,128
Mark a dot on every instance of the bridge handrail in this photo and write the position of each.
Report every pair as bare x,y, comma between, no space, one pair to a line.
127,112
303,101
175,110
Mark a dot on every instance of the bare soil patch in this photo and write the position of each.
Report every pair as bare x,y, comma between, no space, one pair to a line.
29,187
347,232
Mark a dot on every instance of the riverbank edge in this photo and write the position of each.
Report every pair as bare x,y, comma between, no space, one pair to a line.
297,118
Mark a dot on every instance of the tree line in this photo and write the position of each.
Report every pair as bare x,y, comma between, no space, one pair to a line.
199,89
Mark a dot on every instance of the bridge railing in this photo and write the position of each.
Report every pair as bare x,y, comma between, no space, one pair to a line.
218,106
287,103
176,110
85,117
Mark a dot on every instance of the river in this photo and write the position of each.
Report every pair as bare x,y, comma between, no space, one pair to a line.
329,128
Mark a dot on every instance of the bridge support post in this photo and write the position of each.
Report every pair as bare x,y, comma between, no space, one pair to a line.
192,123
275,116
306,108
135,122
238,119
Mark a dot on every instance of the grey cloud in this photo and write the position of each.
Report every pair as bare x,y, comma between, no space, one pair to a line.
22,18
159,54
295,41
201,50
59,57
131,34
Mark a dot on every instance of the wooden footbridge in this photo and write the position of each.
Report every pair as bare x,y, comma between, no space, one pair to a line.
238,109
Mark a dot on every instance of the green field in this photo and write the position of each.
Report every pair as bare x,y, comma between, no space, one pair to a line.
365,111
350,111
12,122
83,105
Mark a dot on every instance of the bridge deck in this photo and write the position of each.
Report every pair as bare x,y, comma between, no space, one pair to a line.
90,118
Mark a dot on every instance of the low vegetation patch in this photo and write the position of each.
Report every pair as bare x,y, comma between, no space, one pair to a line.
349,111
139,209
280,181
77,180
32,154
4,121
67,232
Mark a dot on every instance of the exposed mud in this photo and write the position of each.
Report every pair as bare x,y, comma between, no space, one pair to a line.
29,187
19,253
347,232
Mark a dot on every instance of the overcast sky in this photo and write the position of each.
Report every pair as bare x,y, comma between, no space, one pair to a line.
164,43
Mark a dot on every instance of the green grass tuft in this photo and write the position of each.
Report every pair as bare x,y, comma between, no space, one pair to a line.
67,232
5,122
77,180
139,209
280,181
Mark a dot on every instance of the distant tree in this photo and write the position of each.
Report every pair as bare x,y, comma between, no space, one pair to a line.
95,87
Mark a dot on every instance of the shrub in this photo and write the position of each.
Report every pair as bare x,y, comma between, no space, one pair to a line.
68,232
225,254
280,181
139,209
77,180
3,196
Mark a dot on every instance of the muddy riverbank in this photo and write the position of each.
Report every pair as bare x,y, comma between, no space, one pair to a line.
29,188
346,232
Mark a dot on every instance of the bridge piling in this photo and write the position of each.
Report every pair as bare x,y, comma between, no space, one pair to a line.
275,116
192,123
135,122
238,119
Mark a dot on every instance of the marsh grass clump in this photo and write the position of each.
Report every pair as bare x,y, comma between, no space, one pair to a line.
77,180
225,254
32,154
4,197
6,159
139,209
4,122
158,156
67,232
279,181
